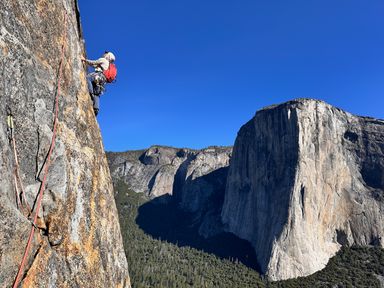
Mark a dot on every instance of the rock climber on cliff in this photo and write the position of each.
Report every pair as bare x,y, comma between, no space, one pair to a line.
105,72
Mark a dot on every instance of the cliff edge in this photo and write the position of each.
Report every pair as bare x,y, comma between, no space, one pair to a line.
78,241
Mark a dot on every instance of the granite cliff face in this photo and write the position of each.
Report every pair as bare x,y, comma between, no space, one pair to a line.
193,178
78,242
305,179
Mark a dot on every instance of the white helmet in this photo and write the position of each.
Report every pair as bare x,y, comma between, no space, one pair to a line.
109,56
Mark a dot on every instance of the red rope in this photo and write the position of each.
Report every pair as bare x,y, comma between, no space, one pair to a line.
42,187
18,203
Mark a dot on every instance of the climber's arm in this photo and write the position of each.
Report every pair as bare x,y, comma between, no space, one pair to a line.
94,63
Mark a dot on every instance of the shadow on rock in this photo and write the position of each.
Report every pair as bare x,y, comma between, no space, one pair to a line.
163,219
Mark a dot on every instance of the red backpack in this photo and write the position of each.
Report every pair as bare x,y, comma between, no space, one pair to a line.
110,73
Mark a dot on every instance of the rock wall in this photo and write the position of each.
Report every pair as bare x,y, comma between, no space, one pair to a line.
193,178
161,170
305,179
78,243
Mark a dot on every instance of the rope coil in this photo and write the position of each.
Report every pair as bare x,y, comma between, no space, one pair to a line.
48,163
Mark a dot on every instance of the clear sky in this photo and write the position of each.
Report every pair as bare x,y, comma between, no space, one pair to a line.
191,72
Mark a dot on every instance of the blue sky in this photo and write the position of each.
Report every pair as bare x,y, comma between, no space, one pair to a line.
191,72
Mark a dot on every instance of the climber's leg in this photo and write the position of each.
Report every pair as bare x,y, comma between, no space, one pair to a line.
90,84
94,94
96,104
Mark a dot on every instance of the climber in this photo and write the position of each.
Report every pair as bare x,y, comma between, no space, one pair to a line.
105,72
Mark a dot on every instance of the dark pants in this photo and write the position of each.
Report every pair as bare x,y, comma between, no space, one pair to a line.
95,83
96,102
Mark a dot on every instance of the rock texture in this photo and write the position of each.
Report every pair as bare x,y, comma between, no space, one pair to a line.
192,177
305,179
78,243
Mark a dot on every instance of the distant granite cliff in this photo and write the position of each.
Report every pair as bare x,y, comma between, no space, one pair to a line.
78,242
305,179
194,178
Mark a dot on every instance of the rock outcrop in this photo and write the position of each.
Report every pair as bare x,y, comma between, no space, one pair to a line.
194,178
78,243
305,179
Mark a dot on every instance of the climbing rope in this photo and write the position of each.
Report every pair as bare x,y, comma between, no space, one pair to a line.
22,202
46,167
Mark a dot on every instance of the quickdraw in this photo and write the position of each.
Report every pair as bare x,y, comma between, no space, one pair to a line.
21,201
10,125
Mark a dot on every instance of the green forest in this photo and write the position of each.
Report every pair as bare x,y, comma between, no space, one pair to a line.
158,263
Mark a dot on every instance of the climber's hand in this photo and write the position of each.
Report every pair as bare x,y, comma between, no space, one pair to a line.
82,59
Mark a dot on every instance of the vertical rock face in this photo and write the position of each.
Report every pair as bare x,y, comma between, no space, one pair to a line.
194,178
161,170
78,243
305,179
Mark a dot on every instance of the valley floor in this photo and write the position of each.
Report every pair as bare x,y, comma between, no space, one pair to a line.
158,263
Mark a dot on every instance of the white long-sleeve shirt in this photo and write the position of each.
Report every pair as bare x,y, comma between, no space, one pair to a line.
100,64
